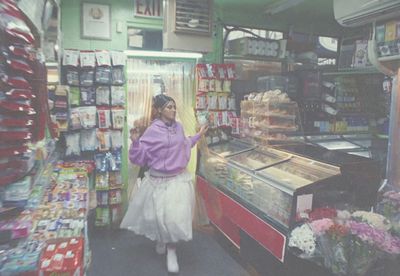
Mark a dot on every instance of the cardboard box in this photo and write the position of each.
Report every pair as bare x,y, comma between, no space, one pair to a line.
63,257
390,31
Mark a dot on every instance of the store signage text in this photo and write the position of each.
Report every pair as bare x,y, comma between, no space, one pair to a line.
148,8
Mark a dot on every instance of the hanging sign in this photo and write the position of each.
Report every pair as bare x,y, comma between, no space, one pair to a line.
149,8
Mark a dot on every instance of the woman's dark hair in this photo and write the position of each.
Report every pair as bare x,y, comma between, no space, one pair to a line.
160,101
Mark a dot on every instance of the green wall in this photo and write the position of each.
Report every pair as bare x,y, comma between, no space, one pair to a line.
121,11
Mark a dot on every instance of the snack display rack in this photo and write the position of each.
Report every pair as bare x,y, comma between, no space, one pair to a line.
215,104
266,119
96,117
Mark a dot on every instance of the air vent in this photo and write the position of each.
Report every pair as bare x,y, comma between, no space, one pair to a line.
193,17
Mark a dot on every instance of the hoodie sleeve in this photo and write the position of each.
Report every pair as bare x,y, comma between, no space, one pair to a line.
139,151
194,139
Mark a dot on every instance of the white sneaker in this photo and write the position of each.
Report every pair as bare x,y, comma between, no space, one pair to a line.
160,248
172,261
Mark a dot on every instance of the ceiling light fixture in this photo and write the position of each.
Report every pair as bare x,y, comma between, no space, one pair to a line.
281,5
139,53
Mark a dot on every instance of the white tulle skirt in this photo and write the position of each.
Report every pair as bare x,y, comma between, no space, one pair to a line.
162,208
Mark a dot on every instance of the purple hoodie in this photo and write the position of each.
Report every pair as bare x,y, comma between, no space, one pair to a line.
163,148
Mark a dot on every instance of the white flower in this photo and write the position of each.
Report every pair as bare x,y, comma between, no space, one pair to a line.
376,220
303,238
343,214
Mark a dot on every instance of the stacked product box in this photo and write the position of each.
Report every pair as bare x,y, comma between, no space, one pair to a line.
63,257
388,38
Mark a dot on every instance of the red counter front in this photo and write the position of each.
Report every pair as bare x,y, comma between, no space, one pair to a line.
230,217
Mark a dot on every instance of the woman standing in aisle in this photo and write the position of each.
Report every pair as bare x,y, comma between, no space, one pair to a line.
162,208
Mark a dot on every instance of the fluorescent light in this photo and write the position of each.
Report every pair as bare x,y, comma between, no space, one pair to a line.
139,53
279,6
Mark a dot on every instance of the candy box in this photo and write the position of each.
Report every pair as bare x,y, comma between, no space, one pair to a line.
63,257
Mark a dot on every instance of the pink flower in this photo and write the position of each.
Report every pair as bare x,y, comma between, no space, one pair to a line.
320,226
383,240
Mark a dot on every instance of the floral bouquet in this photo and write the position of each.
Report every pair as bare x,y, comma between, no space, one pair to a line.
345,243
389,206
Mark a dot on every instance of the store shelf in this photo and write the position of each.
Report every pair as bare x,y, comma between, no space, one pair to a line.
256,58
4,212
336,133
275,115
52,64
390,58
353,71
353,113
382,136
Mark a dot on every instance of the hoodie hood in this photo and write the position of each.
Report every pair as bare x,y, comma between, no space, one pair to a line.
161,124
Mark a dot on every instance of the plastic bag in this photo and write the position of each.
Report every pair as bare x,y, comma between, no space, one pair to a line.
88,140
18,94
115,160
88,96
117,95
103,75
118,116
102,164
103,95
74,96
102,181
17,107
117,76
116,139
72,76
20,66
87,77
16,29
103,118
103,140
72,141
87,115
75,118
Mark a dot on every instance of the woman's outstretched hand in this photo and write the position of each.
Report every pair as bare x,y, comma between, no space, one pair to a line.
134,134
203,129
139,126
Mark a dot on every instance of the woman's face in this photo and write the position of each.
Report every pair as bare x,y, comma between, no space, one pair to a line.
168,113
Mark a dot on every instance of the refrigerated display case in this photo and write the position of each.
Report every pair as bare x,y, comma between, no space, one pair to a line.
231,147
270,181
361,176
356,144
362,140
212,165
263,190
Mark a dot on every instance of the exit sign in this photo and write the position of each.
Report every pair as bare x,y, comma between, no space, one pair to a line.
149,8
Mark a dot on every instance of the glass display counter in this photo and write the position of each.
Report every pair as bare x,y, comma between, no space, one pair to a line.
258,159
230,148
213,164
262,191
270,180
356,144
